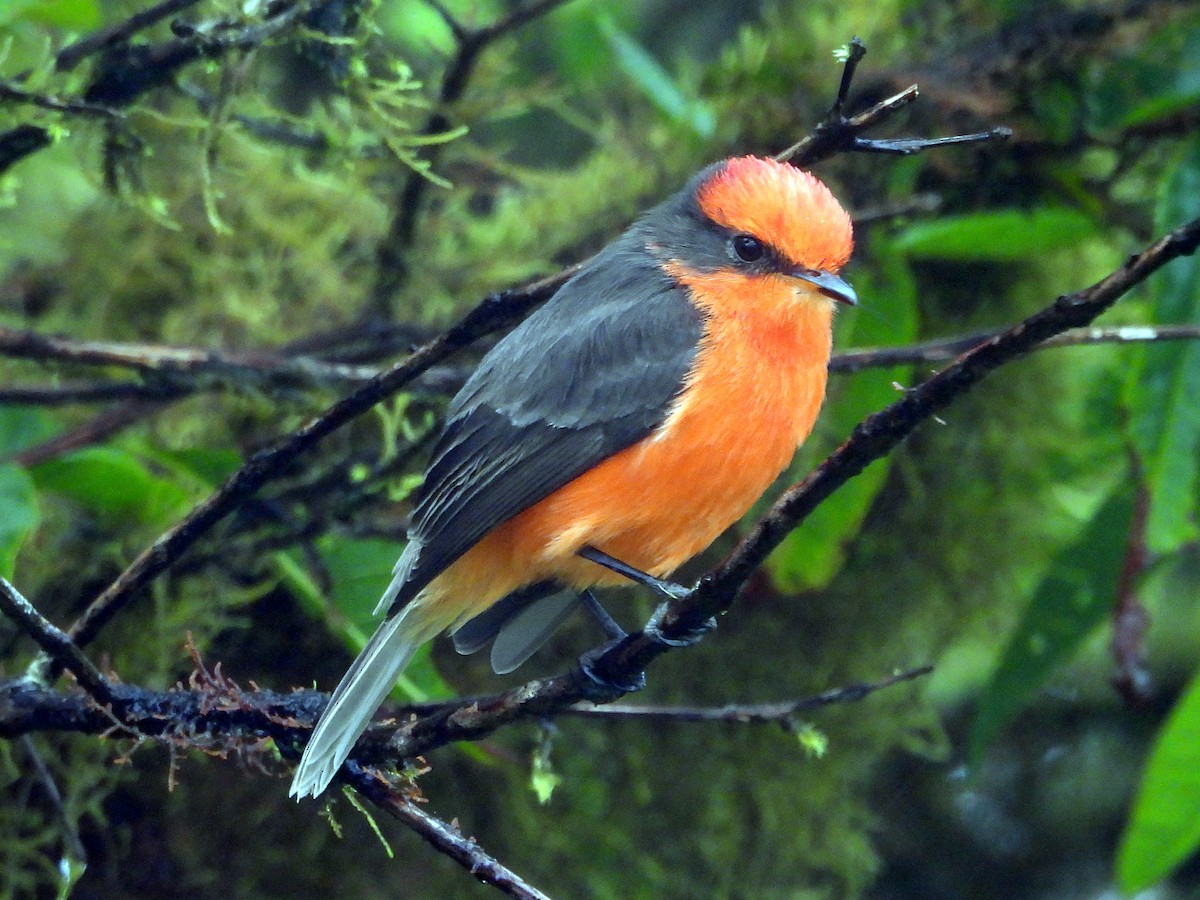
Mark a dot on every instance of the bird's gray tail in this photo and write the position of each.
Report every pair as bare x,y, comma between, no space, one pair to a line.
363,689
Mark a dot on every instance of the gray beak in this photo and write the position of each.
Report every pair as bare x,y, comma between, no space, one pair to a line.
828,284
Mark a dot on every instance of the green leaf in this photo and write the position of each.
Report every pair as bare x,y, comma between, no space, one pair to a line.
814,553
21,427
655,82
996,236
112,483
15,10
77,15
1076,595
207,464
360,571
1162,79
1164,827
53,190
1165,379
18,514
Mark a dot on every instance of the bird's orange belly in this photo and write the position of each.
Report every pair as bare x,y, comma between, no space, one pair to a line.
661,501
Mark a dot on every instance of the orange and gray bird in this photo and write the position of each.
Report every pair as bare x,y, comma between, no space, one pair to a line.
617,431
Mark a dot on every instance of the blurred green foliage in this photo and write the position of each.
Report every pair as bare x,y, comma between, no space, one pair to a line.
242,204
1164,829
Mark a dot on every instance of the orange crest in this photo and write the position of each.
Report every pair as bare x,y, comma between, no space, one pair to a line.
782,205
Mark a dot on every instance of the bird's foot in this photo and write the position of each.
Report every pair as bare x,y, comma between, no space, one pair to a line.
600,687
681,636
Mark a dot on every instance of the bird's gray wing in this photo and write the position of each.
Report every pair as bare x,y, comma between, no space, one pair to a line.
587,375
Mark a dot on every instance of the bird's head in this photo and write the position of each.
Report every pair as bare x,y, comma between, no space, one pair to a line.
762,218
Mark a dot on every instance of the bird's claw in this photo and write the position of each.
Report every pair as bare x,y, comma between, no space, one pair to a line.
672,590
680,637
601,688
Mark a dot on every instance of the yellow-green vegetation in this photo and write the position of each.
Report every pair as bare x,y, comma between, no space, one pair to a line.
245,202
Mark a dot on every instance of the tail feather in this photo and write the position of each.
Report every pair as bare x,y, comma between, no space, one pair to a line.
402,579
361,691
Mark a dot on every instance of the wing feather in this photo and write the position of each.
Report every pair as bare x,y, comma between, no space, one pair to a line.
590,373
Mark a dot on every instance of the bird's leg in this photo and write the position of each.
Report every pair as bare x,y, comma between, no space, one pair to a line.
612,630
668,589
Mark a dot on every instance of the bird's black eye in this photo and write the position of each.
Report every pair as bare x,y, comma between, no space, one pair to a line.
748,248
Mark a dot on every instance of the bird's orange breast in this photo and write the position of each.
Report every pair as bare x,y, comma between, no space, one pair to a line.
751,398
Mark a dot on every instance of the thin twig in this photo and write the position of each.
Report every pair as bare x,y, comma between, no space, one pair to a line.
75,846
949,348
838,134
1130,619
746,713
445,837
174,372
279,131
916,205
42,101
55,642
96,430
123,79
73,54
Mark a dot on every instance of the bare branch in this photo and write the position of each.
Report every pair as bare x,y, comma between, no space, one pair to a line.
173,372
444,837
55,642
73,54
164,362
838,134
781,713
64,394
13,94
75,846
129,71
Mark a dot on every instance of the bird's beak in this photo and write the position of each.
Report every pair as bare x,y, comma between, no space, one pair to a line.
828,284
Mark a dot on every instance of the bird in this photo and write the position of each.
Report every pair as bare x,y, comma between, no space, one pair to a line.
617,431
